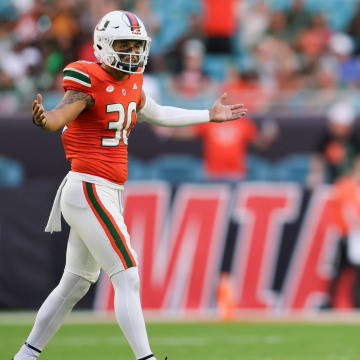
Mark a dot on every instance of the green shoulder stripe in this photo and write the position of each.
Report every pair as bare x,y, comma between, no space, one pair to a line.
77,75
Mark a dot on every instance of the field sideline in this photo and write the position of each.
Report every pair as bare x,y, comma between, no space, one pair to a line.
88,337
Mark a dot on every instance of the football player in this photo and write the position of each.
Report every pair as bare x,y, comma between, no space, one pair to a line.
101,104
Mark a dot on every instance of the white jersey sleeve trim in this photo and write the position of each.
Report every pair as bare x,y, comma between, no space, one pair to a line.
77,80
77,70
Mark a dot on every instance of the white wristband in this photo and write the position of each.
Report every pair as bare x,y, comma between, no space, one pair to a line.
170,116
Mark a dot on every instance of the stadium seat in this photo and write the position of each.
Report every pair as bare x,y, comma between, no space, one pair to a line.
215,66
292,168
296,167
137,170
174,17
338,12
11,172
280,4
177,168
258,169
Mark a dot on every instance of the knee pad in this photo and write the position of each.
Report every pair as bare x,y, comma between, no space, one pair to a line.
80,289
73,287
127,280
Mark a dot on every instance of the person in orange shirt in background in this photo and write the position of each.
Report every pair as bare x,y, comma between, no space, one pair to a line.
346,200
219,25
337,161
225,148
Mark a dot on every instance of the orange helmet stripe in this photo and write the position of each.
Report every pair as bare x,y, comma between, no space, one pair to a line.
132,19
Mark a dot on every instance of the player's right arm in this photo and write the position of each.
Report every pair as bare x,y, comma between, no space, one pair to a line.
69,108
170,116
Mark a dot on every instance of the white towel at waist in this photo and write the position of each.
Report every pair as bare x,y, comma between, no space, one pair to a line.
54,222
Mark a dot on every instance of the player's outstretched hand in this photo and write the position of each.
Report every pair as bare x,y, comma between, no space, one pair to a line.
220,112
38,112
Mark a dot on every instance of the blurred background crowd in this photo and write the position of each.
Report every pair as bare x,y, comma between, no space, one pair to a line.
274,55
279,57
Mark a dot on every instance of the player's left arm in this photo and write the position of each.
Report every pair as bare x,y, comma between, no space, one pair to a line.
171,116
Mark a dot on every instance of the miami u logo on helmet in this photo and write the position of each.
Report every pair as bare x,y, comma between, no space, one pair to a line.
105,26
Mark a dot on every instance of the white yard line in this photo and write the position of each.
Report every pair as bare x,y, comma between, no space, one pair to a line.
78,341
85,317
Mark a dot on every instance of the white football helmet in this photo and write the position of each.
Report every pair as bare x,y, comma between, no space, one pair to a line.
121,25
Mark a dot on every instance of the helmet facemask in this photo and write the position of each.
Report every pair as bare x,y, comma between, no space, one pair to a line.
130,58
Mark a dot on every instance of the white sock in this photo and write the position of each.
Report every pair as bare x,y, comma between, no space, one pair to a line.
129,313
27,353
53,312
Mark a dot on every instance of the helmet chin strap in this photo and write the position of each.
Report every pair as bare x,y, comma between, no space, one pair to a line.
126,66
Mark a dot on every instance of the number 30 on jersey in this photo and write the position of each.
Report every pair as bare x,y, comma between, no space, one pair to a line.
121,125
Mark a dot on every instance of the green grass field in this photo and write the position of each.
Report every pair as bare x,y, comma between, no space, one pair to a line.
198,341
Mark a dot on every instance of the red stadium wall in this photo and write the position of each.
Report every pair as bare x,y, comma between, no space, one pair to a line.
281,259
277,240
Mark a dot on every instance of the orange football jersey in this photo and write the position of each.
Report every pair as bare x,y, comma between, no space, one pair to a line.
96,141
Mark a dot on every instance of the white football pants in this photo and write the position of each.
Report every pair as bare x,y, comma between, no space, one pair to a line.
98,239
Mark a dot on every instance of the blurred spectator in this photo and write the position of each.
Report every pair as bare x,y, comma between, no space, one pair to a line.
346,199
337,157
192,81
274,59
312,41
174,54
54,57
354,30
245,87
14,64
151,19
23,6
288,48
298,18
278,28
85,49
254,20
323,90
15,67
225,147
26,29
189,83
346,66
338,151
219,25
63,27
